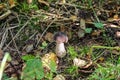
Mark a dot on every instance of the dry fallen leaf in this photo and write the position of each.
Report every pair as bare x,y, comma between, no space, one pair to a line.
59,77
49,37
116,52
29,1
101,59
115,16
81,33
47,58
2,6
12,3
79,62
96,33
29,48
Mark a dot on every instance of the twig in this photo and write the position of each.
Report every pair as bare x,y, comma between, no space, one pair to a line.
3,38
73,5
103,47
17,33
33,35
44,32
5,14
14,42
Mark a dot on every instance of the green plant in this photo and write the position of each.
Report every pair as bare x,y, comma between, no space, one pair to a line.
99,25
88,30
107,72
98,54
72,52
84,50
53,70
5,77
44,45
34,23
103,47
108,40
27,57
72,71
33,70
25,7
53,66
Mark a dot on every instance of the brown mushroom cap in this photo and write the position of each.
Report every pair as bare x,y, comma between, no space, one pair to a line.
60,37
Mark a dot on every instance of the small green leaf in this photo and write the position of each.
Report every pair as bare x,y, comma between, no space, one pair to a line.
33,70
27,57
99,25
44,44
88,30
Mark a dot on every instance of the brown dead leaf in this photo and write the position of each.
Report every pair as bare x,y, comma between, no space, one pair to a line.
116,16
11,3
79,62
47,58
81,33
2,6
29,48
29,1
59,77
101,59
49,37
116,52
96,33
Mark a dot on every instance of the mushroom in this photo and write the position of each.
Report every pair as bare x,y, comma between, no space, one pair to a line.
60,38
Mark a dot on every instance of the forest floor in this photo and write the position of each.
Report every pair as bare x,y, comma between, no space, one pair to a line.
27,29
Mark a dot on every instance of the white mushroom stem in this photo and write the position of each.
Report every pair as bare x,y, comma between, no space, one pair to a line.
60,50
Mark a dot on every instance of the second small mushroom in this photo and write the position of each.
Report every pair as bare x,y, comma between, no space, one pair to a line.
60,38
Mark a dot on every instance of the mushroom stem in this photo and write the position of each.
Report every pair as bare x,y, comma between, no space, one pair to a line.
60,50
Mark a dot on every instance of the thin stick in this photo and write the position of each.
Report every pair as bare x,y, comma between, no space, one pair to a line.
18,33
103,47
44,32
5,14
4,38
15,45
